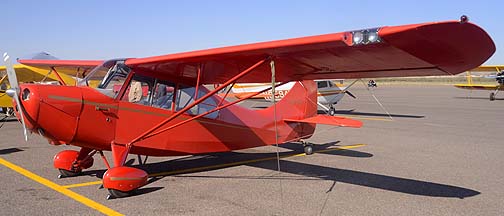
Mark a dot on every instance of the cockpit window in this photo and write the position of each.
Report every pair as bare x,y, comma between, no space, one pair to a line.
322,84
104,72
108,77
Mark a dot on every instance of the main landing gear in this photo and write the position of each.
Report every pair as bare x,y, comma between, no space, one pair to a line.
71,163
121,181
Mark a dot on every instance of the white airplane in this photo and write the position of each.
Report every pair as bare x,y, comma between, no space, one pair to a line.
329,92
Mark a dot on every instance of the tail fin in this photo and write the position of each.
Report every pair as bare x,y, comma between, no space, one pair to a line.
299,103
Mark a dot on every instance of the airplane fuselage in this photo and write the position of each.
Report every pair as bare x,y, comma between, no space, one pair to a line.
85,117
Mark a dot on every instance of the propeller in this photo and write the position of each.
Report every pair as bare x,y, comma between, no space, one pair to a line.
14,90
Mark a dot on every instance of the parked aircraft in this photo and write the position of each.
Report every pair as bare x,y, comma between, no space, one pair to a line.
192,119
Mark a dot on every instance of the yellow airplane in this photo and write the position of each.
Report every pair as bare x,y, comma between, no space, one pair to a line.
31,74
499,77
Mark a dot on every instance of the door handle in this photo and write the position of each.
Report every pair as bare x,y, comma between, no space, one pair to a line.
98,108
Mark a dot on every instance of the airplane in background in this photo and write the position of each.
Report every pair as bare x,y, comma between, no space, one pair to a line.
29,74
191,119
499,77
329,92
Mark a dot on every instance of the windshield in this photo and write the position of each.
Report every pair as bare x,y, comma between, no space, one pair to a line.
108,77
97,75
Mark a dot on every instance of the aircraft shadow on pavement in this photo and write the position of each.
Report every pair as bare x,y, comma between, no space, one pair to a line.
325,146
10,151
355,113
378,181
223,158
5,118
314,172
309,171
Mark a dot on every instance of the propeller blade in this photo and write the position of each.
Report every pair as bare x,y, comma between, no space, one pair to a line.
350,94
11,74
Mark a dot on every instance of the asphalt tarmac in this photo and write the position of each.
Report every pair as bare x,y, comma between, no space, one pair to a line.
440,153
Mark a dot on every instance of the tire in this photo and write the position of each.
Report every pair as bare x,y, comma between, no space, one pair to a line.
308,149
119,194
68,173
492,96
332,111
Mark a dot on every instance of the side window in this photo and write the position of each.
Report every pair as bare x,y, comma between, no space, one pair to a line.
139,90
185,97
322,84
113,86
163,95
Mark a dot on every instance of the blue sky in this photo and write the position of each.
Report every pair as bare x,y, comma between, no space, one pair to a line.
107,29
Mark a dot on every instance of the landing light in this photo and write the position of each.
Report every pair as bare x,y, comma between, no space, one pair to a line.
358,37
372,37
366,36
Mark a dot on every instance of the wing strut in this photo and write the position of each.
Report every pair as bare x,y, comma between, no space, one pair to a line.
3,78
58,76
206,96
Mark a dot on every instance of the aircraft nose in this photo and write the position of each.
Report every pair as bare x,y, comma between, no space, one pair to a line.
30,104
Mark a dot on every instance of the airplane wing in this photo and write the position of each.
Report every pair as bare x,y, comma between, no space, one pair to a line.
440,48
488,68
477,86
33,74
436,48
75,68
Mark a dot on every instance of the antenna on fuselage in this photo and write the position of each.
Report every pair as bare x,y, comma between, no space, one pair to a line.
14,90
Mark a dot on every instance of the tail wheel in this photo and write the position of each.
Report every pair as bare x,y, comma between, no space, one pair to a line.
307,147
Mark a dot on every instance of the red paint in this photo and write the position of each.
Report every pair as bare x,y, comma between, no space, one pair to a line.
124,178
65,159
73,160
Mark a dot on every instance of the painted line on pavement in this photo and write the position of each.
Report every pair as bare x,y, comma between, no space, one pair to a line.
77,197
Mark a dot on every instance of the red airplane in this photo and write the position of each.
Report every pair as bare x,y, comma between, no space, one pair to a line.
178,115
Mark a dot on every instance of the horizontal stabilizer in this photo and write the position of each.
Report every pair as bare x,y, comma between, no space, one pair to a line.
329,120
